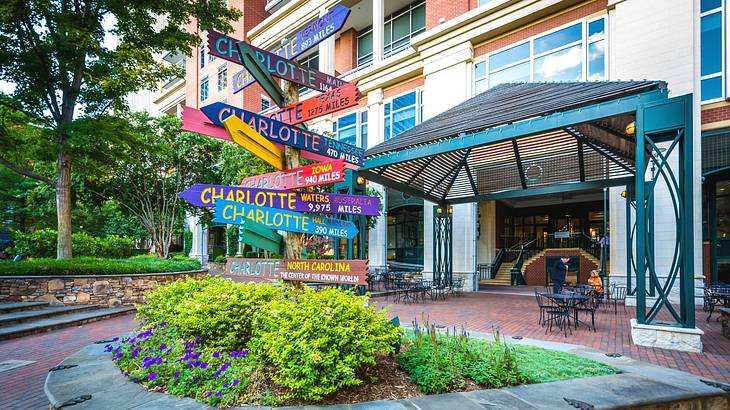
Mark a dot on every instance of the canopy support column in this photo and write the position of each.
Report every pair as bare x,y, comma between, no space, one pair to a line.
442,244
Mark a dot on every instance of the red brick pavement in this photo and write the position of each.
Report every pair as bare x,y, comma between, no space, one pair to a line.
22,388
517,315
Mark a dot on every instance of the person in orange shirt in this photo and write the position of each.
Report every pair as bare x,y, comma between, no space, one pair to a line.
595,281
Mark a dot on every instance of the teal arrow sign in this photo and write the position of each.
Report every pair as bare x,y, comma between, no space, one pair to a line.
237,214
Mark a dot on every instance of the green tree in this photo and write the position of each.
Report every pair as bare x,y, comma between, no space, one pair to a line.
66,76
151,171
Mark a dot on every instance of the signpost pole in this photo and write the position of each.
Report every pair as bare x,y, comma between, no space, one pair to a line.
292,159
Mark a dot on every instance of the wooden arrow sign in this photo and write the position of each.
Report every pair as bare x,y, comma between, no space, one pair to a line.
245,136
326,103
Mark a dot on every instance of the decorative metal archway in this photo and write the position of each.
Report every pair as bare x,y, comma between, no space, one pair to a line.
574,134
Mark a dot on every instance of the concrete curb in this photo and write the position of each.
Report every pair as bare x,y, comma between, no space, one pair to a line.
640,385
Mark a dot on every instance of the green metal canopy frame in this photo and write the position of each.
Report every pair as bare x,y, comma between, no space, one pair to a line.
519,140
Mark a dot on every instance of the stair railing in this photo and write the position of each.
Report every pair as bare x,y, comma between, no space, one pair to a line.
489,270
517,277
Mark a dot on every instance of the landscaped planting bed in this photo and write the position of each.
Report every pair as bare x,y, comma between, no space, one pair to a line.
227,343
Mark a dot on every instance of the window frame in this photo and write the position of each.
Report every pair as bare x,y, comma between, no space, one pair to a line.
305,62
367,59
205,80
723,73
584,42
201,55
361,122
268,100
222,73
418,108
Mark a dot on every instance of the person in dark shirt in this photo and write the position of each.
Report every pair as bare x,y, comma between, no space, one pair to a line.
558,275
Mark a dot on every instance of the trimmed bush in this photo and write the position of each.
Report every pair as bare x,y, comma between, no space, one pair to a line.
42,244
220,259
96,266
187,241
317,341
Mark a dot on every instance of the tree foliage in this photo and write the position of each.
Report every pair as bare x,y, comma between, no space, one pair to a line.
68,71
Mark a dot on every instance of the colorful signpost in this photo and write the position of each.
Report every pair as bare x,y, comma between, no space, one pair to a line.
328,102
194,120
236,213
225,47
303,201
245,136
257,60
310,175
350,272
277,131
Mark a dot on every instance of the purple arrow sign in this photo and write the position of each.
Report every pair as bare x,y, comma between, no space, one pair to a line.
277,131
308,37
316,202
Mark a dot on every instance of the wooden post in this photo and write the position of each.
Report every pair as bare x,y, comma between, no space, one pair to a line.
292,159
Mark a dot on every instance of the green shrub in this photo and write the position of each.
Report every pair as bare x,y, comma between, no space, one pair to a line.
187,241
317,341
42,244
218,310
96,266
163,302
252,255
38,244
220,259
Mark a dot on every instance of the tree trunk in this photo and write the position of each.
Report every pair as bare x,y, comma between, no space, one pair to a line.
292,159
63,204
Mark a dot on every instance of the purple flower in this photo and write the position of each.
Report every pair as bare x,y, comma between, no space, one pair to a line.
177,374
163,324
115,339
203,365
208,394
235,382
195,379
134,380
162,347
218,393
152,376
216,355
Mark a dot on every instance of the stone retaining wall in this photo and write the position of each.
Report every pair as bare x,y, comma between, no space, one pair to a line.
111,290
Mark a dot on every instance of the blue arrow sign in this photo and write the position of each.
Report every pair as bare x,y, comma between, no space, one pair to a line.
237,213
277,131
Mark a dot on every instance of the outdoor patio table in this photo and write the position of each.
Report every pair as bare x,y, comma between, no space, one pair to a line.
567,302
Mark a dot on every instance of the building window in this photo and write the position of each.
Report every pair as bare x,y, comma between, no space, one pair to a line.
400,26
202,55
398,29
204,88
483,2
712,49
311,61
402,113
576,52
352,128
265,103
365,48
222,77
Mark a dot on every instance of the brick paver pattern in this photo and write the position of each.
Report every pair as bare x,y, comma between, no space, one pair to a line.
22,388
517,315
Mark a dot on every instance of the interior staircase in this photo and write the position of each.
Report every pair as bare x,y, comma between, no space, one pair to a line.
504,276
26,318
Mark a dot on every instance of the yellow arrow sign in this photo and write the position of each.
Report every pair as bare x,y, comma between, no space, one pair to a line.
247,137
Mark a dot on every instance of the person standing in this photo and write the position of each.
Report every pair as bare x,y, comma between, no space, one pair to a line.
560,270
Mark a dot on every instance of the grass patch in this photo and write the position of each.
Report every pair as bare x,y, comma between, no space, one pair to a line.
441,363
97,266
